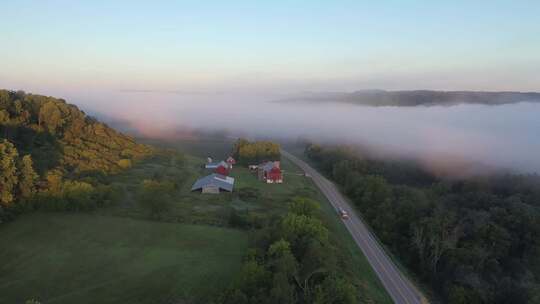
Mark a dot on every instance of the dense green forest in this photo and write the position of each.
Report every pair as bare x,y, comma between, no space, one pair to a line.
53,152
253,153
472,240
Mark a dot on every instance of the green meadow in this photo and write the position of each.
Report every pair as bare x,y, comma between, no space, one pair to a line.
85,258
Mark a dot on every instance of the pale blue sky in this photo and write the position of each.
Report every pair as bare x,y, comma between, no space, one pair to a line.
269,45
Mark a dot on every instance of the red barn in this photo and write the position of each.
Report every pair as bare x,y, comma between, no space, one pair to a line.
274,176
270,173
223,170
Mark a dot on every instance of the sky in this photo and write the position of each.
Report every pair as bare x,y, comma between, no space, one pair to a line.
206,47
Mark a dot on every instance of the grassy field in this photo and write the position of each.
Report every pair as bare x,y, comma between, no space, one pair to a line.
194,208
74,258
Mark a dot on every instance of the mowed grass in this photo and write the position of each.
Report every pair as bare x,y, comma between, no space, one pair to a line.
82,258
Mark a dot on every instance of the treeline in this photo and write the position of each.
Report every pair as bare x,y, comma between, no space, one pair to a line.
17,175
474,240
52,152
293,260
382,98
249,153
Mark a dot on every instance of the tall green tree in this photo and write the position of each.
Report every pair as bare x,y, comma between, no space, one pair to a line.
302,228
27,177
4,117
434,236
282,290
284,268
8,172
4,122
303,206
50,117
335,290
155,197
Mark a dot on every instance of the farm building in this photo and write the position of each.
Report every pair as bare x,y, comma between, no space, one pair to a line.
231,161
221,167
215,165
223,170
270,172
214,183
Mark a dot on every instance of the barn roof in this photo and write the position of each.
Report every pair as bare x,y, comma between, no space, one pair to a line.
268,166
218,180
216,164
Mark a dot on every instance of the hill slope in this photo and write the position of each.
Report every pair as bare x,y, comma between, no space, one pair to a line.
60,142
419,98
60,136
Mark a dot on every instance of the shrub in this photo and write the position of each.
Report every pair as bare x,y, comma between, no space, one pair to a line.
155,197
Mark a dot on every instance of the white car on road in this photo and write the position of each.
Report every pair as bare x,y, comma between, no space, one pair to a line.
342,213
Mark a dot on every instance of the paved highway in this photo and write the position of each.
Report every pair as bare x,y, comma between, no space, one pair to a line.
397,285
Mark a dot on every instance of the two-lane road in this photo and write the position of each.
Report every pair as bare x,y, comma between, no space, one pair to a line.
398,286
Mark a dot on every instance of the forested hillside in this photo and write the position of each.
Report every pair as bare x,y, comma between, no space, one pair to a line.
46,144
382,98
474,240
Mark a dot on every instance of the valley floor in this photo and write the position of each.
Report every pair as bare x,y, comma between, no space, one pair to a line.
117,255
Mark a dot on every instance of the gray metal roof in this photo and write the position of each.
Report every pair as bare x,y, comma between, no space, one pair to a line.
216,164
223,182
267,166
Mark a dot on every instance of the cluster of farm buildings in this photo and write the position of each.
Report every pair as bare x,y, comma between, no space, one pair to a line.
220,181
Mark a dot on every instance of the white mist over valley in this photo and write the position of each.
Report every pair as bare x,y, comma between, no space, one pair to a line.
502,136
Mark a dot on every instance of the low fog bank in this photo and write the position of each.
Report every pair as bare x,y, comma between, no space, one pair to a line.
504,136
